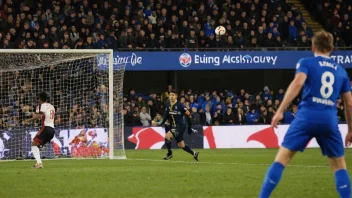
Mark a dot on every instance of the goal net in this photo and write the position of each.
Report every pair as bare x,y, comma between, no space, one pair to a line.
85,87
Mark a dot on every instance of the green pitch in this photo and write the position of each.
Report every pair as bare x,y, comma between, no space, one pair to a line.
219,173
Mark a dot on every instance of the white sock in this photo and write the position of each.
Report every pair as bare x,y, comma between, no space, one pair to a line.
36,154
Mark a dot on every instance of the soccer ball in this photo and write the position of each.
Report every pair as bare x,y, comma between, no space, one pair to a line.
220,30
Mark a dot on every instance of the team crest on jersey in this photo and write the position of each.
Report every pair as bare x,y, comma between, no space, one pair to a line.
176,107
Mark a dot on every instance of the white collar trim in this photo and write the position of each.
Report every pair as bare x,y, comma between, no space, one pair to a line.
328,57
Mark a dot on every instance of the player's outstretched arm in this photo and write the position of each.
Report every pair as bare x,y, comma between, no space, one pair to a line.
292,92
347,98
188,116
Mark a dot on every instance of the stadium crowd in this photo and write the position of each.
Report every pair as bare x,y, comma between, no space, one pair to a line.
213,107
335,16
155,24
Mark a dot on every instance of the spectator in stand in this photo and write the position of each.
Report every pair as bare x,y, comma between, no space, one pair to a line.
252,116
127,119
208,116
270,115
152,109
263,117
266,94
136,120
145,117
140,102
196,121
304,42
218,114
192,41
290,115
292,32
240,117
307,30
229,117
276,104
158,118
269,41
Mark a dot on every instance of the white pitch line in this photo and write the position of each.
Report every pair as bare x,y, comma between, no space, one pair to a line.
177,161
225,163
65,159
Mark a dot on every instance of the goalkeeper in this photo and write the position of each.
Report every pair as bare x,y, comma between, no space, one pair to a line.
179,118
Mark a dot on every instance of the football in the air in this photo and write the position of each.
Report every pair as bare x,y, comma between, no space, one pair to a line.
220,30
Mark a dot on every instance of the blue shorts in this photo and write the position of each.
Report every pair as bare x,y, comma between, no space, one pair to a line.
327,135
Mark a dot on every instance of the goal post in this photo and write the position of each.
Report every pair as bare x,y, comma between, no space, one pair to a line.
86,89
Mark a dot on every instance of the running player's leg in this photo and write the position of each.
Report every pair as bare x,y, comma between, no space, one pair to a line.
168,138
342,179
296,139
181,143
43,136
168,143
331,144
36,143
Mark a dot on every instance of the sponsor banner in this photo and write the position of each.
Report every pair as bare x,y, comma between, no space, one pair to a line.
254,136
161,61
94,142
74,143
153,138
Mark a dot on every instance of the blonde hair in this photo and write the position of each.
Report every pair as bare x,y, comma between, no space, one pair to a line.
323,41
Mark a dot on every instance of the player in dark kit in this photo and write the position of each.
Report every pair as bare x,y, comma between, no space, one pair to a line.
179,118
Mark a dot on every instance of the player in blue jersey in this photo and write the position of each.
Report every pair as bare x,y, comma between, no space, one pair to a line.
180,120
323,81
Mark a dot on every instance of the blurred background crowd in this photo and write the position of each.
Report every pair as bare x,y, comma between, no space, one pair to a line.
215,107
160,24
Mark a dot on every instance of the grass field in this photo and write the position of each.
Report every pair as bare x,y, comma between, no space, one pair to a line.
219,173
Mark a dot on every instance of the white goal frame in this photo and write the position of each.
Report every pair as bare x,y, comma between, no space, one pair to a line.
110,54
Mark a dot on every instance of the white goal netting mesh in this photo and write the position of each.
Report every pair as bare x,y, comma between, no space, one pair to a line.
78,86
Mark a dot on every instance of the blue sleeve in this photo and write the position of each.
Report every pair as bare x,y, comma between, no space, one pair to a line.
302,66
346,87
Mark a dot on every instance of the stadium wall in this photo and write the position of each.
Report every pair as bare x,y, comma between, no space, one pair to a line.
94,142
241,69
221,60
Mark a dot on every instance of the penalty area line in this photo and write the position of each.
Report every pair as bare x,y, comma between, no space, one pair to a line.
225,163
